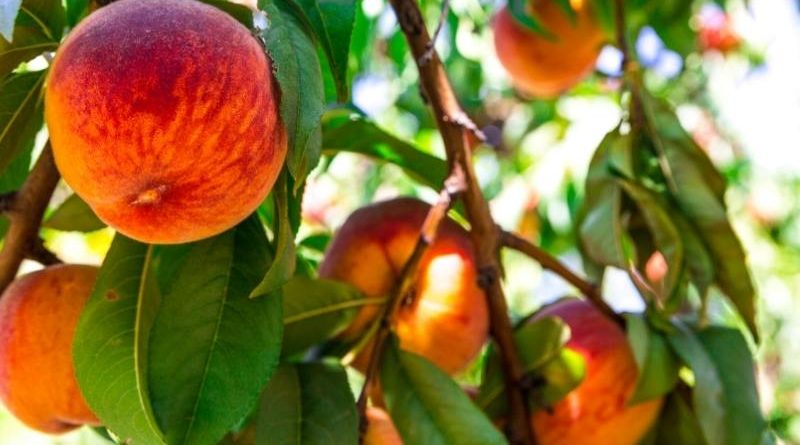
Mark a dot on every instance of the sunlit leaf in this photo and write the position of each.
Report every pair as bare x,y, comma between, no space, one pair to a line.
37,29
74,215
21,118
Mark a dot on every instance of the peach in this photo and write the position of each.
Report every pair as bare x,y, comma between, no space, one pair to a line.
380,429
446,318
163,116
38,316
545,66
597,411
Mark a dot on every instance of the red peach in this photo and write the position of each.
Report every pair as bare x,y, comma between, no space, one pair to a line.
546,66
163,116
597,411
446,319
38,316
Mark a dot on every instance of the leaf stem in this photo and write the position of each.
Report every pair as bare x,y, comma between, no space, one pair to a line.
551,263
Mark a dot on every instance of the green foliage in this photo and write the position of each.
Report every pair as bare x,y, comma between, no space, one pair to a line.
300,77
307,404
316,310
20,113
427,406
349,132
724,396
113,375
658,365
212,348
37,29
74,215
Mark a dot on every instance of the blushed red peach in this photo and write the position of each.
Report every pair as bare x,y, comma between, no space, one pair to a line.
546,66
446,319
597,411
38,316
163,117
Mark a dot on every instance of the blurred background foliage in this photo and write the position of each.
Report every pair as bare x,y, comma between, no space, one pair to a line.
731,69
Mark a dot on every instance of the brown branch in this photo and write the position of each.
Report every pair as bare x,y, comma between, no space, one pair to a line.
453,186
437,89
619,29
38,252
551,263
25,213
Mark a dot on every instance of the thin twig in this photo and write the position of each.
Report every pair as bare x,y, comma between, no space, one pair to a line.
25,214
551,263
432,45
38,252
620,30
404,285
440,95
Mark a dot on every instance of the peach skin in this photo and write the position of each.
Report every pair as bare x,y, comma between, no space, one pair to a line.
163,116
446,319
38,316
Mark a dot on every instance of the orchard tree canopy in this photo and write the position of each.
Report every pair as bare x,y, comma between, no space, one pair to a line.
324,222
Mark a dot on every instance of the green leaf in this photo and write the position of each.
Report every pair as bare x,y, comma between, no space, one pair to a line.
8,15
307,404
560,376
110,350
283,266
76,11
666,235
332,22
299,74
38,28
658,366
599,220
538,342
21,109
731,356
699,192
317,310
346,131
428,407
724,395
74,215
212,349
677,424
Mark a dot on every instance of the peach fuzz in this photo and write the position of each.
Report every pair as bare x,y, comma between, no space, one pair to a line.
597,411
446,319
546,66
38,316
163,116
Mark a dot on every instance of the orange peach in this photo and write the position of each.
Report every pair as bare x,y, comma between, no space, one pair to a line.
38,316
380,429
597,411
163,116
446,318
546,66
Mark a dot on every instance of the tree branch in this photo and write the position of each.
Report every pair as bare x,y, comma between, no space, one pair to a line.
552,264
25,212
449,118
453,186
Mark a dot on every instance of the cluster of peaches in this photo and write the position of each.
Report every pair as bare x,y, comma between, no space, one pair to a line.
163,116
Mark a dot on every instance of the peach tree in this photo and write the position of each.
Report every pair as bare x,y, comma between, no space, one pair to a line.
193,129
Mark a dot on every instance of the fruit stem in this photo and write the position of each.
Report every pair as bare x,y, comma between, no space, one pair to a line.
404,284
454,127
25,213
551,263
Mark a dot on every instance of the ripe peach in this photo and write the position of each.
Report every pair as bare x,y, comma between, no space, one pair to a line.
38,316
546,66
597,411
380,429
446,319
163,116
